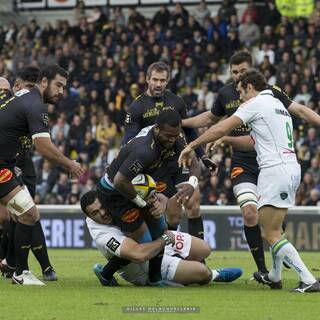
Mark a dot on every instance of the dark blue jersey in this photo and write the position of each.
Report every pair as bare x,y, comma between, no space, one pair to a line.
21,117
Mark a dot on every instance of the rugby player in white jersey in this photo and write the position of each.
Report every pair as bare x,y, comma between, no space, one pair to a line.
279,176
183,252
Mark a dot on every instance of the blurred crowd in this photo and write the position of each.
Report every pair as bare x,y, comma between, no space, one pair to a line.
107,53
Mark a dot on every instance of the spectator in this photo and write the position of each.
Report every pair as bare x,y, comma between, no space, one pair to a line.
202,12
206,95
249,32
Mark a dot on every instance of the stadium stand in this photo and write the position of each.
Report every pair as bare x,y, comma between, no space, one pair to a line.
106,53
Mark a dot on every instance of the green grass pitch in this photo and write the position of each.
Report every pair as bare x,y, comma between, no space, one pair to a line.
78,294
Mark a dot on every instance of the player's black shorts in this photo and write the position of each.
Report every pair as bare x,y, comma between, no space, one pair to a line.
126,215
244,170
168,179
8,180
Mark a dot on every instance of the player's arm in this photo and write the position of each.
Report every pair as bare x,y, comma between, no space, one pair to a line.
243,143
303,112
138,253
137,161
214,133
204,119
48,150
38,126
298,110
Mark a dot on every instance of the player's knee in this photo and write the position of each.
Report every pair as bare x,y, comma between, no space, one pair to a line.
205,275
250,215
30,217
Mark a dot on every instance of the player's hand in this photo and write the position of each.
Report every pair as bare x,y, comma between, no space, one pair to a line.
155,207
171,235
213,145
185,157
185,192
208,163
75,169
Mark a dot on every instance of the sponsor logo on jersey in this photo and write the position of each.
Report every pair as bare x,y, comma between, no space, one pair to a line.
136,167
128,118
233,104
45,119
5,175
236,171
113,244
161,186
283,195
130,216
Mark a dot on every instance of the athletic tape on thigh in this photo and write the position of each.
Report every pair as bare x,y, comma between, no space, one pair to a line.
247,197
20,203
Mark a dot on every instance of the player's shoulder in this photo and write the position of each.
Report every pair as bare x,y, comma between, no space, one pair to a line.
227,89
141,98
172,96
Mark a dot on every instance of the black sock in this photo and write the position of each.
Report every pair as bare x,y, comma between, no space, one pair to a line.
114,264
172,227
11,257
155,267
22,240
3,243
195,227
39,247
254,239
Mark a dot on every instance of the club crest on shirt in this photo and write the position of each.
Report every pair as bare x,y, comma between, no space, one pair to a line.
283,195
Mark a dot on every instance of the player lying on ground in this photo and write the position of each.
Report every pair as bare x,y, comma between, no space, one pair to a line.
279,175
180,263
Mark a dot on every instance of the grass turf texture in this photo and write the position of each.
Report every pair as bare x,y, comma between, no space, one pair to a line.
79,295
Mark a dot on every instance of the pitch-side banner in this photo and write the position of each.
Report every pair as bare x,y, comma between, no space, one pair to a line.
30,4
61,3
221,231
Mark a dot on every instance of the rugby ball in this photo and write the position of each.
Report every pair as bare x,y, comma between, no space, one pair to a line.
144,185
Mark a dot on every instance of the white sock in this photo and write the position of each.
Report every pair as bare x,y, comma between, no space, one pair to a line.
286,251
215,273
275,272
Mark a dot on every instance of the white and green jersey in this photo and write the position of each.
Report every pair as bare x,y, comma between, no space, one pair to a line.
271,126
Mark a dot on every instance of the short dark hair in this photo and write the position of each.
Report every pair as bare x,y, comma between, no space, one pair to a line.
29,73
241,57
87,199
160,67
51,71
168,116
255,78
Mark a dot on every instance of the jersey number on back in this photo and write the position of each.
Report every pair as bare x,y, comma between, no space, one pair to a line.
289,135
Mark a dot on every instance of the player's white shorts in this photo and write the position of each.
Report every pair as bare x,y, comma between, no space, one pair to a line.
277,185
137,274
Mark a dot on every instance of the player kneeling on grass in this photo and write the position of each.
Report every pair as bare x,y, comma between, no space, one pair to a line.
182,252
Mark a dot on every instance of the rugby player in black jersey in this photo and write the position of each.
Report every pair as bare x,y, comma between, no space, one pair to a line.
26,79
149,152
5,93
244,165
25,114
142,113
